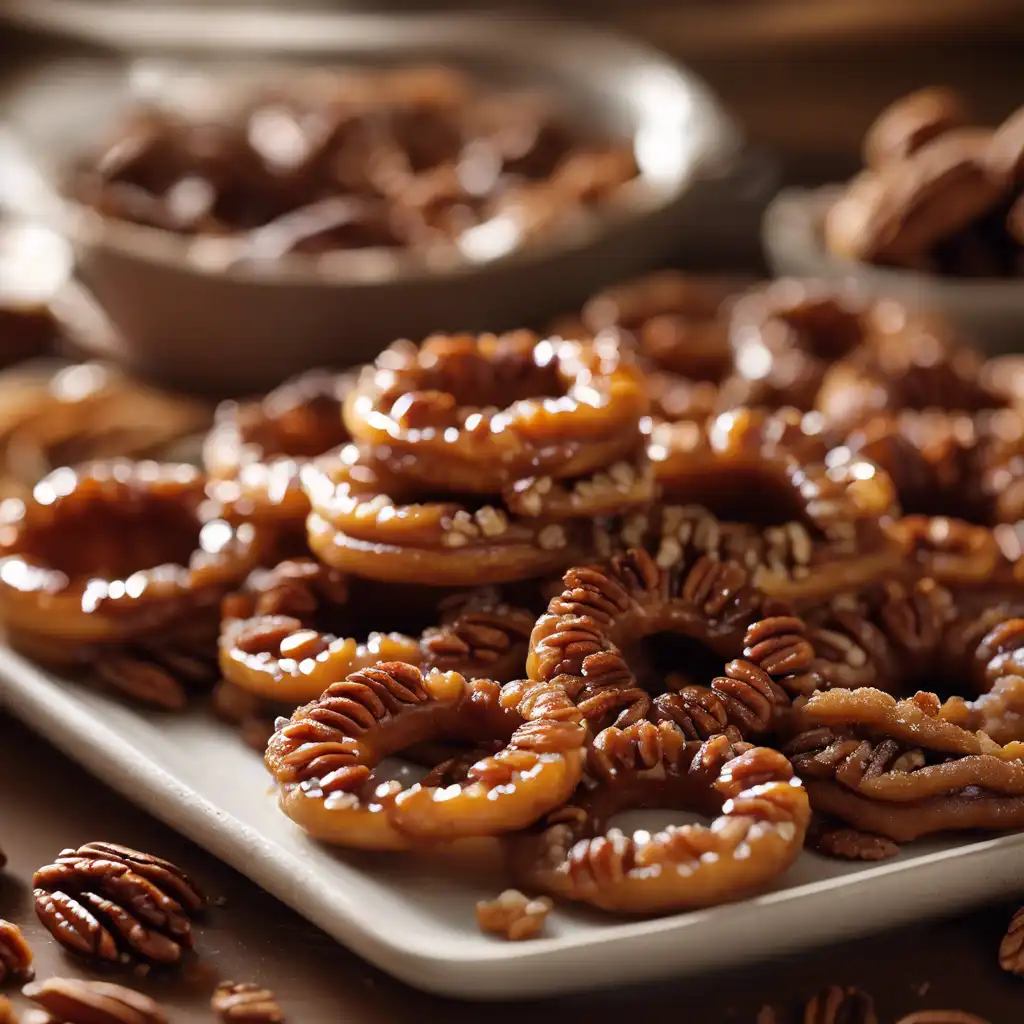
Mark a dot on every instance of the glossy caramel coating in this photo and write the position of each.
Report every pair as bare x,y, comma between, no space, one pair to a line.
765,489
475,414
760,814
323,758
114,551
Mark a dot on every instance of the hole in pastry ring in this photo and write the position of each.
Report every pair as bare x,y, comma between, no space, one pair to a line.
428,406
255,450
362,523
277,658
578,642
322,758
94,591
902,768
836,504
760,812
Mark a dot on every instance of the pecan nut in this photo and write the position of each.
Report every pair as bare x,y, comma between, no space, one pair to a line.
7,1014
109,902
1011,950
72,1001
245,1004
15,954
837,1005
513,915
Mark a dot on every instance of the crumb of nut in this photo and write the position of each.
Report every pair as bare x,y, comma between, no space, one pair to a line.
513,915
73,1001
923,988
1011,950
245,1004
15,954
838,1005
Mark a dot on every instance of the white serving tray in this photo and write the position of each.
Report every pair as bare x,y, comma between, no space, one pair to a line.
413,915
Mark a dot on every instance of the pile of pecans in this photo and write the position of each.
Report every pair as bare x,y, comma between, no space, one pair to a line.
939,193
407,159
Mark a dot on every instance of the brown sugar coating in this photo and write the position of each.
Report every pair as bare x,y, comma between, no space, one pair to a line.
408,159
114,551
324,756
256,449
478,413
899,769
760,816
817,519
373,522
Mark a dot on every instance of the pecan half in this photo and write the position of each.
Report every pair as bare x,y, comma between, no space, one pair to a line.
245,1004
851,844
15,954
72,1001
837,1005
112,903
1011,949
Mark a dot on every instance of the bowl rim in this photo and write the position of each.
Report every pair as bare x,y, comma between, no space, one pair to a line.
203,34
791,236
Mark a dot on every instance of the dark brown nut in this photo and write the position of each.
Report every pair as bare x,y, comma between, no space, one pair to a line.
72,1001
15,954
1011,950
112,903
513,916
1006,151
141,680
245,1004
850,844
899,214
836,1005
911,121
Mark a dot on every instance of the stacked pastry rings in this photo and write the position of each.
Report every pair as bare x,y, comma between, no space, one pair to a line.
440,492
255,450
113,552
902,770
826,508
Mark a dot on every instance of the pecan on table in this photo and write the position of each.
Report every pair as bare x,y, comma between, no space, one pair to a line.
1011,950
843,843
838,1005
15,954
245,1004
112,903
72,1001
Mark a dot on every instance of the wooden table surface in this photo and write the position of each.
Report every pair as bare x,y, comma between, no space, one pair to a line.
48,803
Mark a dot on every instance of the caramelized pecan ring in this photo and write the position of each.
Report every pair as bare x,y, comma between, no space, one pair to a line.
785,335
116,550
760,814
902,768
591,641
767,491
280,659
323,757
475,414
256,449
368,522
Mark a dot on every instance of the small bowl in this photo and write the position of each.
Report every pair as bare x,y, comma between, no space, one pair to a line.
219,328
988,311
